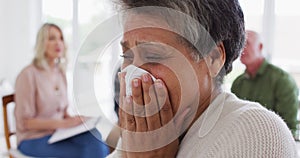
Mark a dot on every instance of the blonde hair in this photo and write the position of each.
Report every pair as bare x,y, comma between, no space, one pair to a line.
40,60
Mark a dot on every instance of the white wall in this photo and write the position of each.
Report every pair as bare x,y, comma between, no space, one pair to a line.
20,21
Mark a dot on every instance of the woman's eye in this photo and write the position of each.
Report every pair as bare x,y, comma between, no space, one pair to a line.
153,57
126,56
154,53
52,38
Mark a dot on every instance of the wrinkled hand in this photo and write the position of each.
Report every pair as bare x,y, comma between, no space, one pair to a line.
146,120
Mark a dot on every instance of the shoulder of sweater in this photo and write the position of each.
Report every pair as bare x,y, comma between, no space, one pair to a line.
237,105
244,129
248,116
257,131
260,128
254,120
256,115
253,113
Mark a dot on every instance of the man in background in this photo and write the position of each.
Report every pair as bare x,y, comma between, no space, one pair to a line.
267,84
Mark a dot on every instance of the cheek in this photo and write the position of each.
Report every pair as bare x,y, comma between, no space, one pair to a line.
47,53
171,81
48,45
48,49
206,86
124,64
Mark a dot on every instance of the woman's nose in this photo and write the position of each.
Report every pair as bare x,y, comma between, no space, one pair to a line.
59,42
137,58
137,62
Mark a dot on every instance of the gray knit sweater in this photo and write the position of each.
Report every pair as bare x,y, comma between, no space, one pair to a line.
233,128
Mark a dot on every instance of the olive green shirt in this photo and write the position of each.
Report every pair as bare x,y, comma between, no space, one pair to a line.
273,88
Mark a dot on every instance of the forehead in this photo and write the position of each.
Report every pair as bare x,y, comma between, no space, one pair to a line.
251,36
147,28
54,30
144,35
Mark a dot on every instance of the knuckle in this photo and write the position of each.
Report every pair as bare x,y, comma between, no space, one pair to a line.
154,125
139,111
166,108
151,109
141,125
130,120
136,94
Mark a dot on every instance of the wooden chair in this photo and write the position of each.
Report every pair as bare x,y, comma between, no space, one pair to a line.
13,153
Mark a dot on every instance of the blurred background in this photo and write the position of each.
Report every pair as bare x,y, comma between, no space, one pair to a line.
278,21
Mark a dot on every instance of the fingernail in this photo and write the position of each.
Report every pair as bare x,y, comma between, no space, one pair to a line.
135,82
121,74
158,84
145,78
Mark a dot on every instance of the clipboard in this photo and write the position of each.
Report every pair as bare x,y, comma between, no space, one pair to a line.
65,133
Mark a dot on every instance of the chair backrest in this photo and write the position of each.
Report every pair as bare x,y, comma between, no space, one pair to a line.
7,130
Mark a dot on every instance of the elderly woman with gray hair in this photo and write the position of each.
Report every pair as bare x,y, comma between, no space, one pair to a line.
176,107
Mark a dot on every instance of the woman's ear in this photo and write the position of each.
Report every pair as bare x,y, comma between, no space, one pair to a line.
216,59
